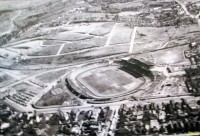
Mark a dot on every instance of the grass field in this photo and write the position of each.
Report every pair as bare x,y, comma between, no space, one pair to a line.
167,56
86,44
5,79
47,50
50,76
20,4
109,80
57,96
102,29
150,38
50,99
69,36
27,47
121,34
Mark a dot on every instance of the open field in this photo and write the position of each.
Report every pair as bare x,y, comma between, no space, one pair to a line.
10,5
121,34
27,47
102,29
150,38
172,86
77,56
96,29
69,36
127,5
167,56
79,44
50,99
57,95
110,50
5,79
34,48
50,76
6,20
86,44
62,98
52,42
45,51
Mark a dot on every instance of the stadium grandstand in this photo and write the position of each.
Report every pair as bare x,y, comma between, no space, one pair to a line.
136,68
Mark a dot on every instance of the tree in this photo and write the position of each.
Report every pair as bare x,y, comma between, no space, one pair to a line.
116,17
178,21
54,120
107,17
29,131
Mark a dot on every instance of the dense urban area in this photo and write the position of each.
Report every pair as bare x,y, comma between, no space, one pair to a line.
99,67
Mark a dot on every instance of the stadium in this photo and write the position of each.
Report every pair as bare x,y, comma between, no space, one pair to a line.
104,82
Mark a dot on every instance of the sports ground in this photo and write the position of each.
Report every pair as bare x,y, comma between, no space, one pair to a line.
109,80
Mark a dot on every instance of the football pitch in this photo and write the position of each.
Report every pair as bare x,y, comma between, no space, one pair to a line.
109,80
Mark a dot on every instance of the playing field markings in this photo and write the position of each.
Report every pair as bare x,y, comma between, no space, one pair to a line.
132,40
61,47
110,35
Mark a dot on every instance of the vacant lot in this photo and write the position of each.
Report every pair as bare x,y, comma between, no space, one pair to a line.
52,42
86,44
45,51
27,47
11,5
5,79
69,36
50,99
121,34
127,5
50,76
150,38
102,29
166,56
84,28
57,96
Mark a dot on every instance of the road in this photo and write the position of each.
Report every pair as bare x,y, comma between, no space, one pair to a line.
60,49
58,53
113,105
28,78
82,62
110,35
116,104
54,109
87,106
132,40
84,107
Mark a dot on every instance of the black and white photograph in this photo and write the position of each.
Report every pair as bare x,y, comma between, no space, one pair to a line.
99,67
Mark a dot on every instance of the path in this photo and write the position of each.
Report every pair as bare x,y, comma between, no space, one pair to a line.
60,49
110,35
132,40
